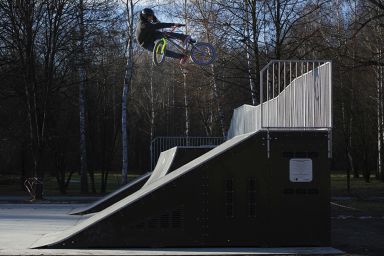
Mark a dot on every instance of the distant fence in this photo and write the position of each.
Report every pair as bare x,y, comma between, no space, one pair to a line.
160,144
293,94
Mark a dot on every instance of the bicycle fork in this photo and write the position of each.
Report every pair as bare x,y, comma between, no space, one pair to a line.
160,48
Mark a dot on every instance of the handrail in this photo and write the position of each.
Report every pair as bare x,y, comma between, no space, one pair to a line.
294,94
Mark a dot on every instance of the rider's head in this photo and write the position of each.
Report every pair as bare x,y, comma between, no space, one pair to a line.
147,13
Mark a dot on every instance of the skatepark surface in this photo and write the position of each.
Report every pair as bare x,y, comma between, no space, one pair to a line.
21,225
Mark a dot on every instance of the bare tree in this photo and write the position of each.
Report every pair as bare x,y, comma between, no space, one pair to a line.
82,101
127,82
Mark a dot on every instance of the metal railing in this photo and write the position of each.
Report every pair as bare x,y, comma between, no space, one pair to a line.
160,144
293,95
296,94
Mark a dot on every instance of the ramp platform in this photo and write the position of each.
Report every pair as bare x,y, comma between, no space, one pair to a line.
240,194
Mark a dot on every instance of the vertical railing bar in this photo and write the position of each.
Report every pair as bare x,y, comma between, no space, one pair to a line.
278,93
320,96
273,94
303,97
313,96
308,95
302,69
285,95
267,96
290,94
273,81
262,96
330,94
294,96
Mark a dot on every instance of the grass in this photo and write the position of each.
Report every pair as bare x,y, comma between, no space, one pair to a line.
358,187
10,184
363,199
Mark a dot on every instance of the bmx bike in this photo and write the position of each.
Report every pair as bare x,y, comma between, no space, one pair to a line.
200,53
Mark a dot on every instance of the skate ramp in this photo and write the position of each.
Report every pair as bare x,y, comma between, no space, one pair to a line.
168,161
243,193
174,158
108,228
163,164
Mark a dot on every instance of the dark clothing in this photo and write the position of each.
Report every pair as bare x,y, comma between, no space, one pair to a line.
147,33
158,35
145,30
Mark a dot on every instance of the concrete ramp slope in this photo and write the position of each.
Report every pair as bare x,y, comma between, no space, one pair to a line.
119,225
163,164
113,197
168,161
174,158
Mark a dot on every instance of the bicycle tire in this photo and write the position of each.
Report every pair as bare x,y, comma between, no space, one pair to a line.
158,53
203,53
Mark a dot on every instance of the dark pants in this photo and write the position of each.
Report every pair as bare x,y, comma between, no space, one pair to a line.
158,35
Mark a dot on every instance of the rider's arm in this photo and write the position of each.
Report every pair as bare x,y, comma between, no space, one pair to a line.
161,25
155,19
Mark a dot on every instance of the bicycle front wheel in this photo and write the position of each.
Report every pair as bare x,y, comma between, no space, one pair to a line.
203,53
159,53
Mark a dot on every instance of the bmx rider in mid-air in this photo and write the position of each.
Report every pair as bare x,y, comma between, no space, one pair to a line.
147,32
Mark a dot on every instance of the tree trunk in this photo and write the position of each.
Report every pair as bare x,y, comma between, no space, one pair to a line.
255,48
124,100
278,27
217,100
380,122
152,99
186,103
25,41
186,106
82,101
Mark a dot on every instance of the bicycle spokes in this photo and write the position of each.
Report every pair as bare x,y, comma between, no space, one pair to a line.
203,53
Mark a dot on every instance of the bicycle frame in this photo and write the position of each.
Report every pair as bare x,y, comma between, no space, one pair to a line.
164,40
198,52
167,39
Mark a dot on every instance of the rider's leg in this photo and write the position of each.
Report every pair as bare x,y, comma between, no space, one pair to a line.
168,53
182,37
178,36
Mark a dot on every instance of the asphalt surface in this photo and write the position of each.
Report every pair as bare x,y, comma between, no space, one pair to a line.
22,225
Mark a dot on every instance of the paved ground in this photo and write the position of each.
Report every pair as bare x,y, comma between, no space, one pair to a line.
358,226
21,225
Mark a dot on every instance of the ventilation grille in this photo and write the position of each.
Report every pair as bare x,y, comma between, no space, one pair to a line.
173,219
301,191
229,198
300,154
251,193
204,199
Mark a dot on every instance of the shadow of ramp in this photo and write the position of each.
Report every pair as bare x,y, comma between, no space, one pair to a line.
168,161
113,197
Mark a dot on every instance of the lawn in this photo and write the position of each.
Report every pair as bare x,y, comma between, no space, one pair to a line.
11,185
358,187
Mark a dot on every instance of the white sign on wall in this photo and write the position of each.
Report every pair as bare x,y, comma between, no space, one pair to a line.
300,170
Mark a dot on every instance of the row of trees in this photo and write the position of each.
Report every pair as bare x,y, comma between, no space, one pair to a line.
79,95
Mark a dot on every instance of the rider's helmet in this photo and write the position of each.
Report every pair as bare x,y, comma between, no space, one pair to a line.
147,12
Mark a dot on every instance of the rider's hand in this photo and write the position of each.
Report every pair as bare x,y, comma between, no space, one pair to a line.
179,25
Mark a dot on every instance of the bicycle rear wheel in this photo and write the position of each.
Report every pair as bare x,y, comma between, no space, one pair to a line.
159,53
203,53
